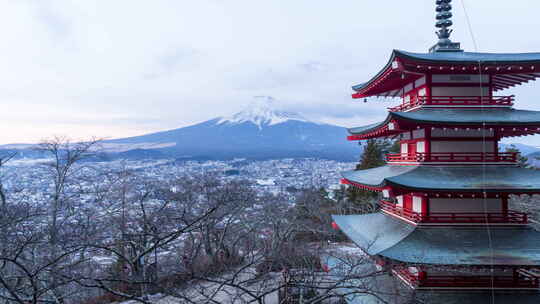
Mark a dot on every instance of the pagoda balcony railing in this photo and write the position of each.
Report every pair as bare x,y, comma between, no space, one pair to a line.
468,101
457,157
509,217
481,281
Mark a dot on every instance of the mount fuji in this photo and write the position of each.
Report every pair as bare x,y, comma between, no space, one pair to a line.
260,131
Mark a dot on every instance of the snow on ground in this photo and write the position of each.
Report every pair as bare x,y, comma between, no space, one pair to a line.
226,295
27,162
202,291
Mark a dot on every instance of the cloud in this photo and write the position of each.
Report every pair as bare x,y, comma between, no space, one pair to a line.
56,24
115,68
177,60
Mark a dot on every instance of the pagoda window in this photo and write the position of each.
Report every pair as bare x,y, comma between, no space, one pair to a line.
407,99
420,82
450,205
399,200
438,132
408,88
459,91
405,136
404,148
417,204
421,133
463,146
453,78
421,147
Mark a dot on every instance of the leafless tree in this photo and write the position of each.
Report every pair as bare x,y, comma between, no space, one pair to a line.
101,236
3,160
41,238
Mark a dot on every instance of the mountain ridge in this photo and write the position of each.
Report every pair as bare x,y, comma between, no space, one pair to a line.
258,131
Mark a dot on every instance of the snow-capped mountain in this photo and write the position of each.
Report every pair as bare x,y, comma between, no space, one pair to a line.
262,112
259,131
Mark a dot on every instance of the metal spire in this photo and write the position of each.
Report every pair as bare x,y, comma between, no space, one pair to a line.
444,21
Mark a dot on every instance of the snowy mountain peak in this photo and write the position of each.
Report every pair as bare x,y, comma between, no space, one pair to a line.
262,112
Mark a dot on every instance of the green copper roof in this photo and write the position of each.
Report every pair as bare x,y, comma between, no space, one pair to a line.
457,58
380,234
384,289
459,116
470,57
450,178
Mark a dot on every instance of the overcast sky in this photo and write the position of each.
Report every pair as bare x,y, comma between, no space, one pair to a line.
115,68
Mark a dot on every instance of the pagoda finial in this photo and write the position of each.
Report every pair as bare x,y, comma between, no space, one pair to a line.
444,21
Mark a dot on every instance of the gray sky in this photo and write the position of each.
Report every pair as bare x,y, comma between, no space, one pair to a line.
115,68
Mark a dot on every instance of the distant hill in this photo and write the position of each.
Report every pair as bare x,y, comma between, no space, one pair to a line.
258,132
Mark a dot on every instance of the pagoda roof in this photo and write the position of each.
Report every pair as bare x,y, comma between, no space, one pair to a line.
385,288
470,57
499,179
383,235
404,67
454,117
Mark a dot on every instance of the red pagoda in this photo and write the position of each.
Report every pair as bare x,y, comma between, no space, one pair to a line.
445,230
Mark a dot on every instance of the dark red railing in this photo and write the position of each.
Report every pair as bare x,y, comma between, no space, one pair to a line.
457,157
510,217
456,101
397,210
484,281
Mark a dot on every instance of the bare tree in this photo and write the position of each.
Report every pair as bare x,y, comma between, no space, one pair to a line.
104,236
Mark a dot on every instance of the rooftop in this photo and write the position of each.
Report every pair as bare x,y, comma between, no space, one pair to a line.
380,234
503,179
403,67
454,117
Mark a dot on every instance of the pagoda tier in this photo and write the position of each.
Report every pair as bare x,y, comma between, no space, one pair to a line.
431,71
444,123
383,288
449,195
382,235
455,181
448,258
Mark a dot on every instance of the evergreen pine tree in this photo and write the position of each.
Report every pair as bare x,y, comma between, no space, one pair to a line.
362,201
522,160
372,156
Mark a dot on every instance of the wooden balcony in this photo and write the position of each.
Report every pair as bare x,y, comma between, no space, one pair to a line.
453,101
517,281
510,217
454,157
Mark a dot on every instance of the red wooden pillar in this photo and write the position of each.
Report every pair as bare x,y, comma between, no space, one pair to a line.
427,145
425,206
504,205
408,202
490,84
428,88
422,277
